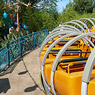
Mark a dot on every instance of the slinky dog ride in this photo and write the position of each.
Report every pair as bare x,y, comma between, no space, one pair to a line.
66,59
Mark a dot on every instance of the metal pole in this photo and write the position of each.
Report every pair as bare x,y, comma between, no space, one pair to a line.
20,47
17,21
33,40
8,55
47,32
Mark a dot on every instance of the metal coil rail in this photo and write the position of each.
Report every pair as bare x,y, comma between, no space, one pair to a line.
63,56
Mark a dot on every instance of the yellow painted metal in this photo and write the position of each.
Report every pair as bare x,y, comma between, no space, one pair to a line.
70,84
67,84
67,77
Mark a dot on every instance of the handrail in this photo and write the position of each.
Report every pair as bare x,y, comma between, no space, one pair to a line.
19,46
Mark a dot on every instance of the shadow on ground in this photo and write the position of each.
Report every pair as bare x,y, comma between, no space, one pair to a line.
30,89
11,68
4,85
13,65
21,73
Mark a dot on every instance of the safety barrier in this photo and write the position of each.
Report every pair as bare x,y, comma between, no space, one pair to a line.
19,46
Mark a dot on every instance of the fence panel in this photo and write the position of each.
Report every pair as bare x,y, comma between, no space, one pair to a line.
27,44
19,46
3,61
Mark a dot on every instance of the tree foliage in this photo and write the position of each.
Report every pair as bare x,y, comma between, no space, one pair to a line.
83,6
41,16
39,20
44,14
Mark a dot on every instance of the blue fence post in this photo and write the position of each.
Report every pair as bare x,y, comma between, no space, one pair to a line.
8,55
33,40
47,32
20,46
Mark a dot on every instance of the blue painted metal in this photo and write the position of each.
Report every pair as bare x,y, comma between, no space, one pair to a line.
47,32
34,40
8,55
2,48
19,46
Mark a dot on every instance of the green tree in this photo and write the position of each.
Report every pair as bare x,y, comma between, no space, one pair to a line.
70,5
41,17
68,15
1,10
82,6
39,20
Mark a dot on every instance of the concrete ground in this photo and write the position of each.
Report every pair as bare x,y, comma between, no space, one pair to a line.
18,81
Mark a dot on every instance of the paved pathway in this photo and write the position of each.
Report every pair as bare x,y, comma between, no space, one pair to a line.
19,82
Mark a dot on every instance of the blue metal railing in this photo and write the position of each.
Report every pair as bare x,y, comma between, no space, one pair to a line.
19,46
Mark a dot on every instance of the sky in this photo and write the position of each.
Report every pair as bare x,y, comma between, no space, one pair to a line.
62,4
